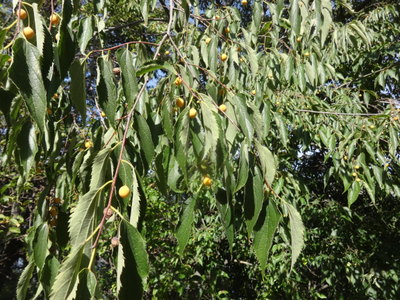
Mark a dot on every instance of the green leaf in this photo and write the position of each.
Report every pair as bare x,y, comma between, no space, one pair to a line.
254,199
27,148
24,281
326,10
353,192
267,162
40,245
296,232
145,138
83,218
208,113
49,273
224,205
66,284
66,45
135,263
264,231
99,169
28,78
295,17
128,74
78,87
106,89
185,224
282,129
85,33
243,166
154,67
252,59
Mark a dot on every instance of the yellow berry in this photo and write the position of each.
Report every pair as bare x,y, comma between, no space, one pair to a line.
208,40
253,92
222,107
270,76
356,167
88,144
354,174
180,102
372,126
124,191
166,53
207,181
192,113
227,30
298,39
307,54
103,114
178,81
28,32
22,14
224,57
54,19
358,179
244,2
396,118
217,17
345,157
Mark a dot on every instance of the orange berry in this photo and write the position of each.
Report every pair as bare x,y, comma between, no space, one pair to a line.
222,107
28,32
54,19
124,191
180,102
192,113
207,181
178,81
22,14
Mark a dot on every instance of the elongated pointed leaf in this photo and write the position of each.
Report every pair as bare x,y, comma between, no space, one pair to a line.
25,72
264,231
106,89
40,245
267,161
66,283
128,73
83,218
99,168
296,232
24,281
78,87
185,224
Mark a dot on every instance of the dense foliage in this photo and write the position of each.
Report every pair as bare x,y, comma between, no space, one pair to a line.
239,132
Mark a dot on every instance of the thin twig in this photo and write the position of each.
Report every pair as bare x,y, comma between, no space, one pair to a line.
338,113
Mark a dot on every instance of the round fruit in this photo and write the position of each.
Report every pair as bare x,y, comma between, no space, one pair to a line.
224,57
88,144
253,92
114,241
307,54
28,32
396,118
55,96
108,212
166,52
222,107
217,17
208,40
22,14
356,167
227,30
358,179
49,111
103,114
192,113
298,39
180,102
178,81
54,19
116,71
270,76
207,181
124,191
372,126
345,157
244,2
354,174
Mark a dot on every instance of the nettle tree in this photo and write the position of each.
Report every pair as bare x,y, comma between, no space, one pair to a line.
210,101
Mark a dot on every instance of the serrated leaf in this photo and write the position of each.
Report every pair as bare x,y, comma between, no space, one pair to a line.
83,217
185,224
99,169
78,87
243,173
85,33
24,281
264,231
49,273
283,133
65,284
353,192
27,148
40,245
28,78
267,162
254,199
106,89
128,74
145,138
296,232
135,263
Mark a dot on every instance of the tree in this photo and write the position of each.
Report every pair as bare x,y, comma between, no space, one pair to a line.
306,84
